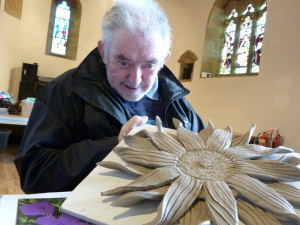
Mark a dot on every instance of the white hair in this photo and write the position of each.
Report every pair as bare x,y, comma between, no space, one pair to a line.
138,16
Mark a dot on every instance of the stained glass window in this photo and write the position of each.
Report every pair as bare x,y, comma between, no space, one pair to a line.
61,29
243,46
243,40
233,14
249,9
228,48
259,37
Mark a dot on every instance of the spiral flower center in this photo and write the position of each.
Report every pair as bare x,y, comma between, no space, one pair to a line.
206,164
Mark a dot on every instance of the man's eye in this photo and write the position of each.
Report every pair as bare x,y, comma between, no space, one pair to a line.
149,66
123,63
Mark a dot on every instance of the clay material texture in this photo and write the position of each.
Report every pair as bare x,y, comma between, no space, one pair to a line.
209,177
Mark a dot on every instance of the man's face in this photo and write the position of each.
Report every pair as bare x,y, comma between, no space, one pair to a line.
133,63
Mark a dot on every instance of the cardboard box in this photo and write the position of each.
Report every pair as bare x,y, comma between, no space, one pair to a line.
26,108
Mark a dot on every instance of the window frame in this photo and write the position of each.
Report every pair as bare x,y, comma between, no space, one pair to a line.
215,33
74,26
255,16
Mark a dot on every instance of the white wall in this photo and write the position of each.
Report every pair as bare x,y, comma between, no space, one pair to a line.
9,33
25,40
269,100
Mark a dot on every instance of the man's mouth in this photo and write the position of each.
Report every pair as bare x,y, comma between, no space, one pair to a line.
133,87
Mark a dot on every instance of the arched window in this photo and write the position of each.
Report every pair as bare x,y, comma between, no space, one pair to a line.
237,48
63,28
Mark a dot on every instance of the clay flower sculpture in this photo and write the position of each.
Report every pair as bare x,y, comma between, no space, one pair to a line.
208,176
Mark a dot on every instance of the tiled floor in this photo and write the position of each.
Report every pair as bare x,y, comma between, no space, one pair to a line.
9,178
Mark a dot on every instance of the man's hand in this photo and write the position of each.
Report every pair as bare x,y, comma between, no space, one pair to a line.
132,123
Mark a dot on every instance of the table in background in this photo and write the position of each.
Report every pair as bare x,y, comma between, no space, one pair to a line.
14,120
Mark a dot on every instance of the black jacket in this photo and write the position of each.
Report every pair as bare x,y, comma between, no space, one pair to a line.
75,123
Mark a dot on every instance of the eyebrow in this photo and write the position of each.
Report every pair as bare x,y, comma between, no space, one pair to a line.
152,61
122,57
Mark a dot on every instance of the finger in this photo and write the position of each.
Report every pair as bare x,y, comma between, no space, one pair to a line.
132,123
141,120
121,136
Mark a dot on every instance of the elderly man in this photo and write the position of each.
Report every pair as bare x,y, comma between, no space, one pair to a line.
80,116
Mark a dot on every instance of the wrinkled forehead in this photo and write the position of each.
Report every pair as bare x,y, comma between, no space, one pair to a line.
147,45
123,34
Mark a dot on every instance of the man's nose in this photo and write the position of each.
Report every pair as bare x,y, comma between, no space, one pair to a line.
135,76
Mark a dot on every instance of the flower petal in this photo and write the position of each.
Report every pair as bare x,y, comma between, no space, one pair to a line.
132,198
202,194
134,170
159,124
148,158
220,139
269,170
176,122
245,139
252,151
195,215
244,152
290,158
252,215
189,139
260,194
220,203
153,179
289,192
166,143
204,134
280,149
180,196
135,141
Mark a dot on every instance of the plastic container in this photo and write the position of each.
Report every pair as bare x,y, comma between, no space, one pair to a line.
4,136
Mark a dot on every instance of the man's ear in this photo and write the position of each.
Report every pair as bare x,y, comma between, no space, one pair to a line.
167,56
101,50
